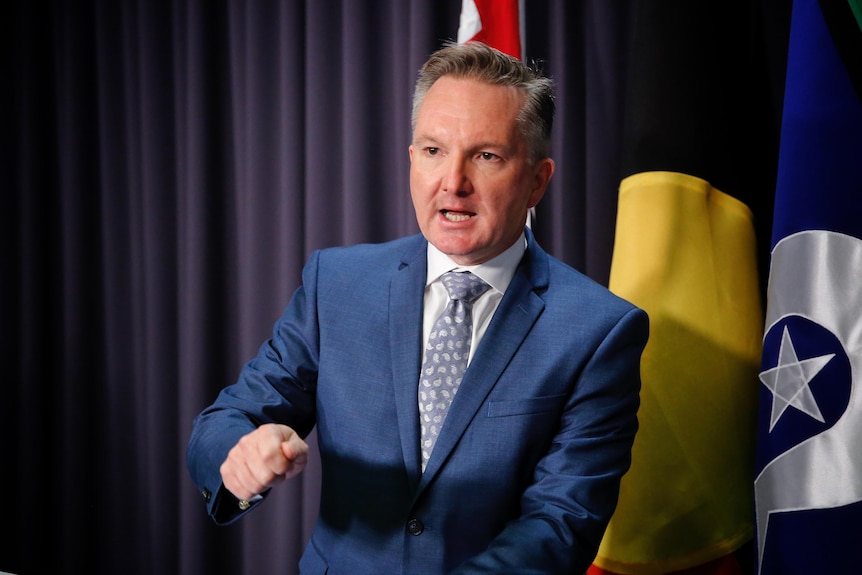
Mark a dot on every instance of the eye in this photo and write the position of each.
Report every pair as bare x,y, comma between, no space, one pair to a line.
489,157
432,151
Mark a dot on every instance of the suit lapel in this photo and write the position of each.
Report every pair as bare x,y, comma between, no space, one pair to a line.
405,334
518,311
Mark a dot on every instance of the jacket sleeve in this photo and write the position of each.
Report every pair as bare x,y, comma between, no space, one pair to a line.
278,385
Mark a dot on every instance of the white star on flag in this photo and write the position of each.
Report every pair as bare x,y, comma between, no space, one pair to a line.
788,381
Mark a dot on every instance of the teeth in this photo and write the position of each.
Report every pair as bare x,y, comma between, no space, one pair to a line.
455,217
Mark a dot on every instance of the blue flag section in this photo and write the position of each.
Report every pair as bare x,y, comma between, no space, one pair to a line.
808,484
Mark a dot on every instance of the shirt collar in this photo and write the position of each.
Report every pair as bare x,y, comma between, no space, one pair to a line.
496,272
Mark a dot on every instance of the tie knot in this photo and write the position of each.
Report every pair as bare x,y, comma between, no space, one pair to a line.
464,286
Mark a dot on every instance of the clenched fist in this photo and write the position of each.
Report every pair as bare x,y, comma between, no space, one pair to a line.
260,459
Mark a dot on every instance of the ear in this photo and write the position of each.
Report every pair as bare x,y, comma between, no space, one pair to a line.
542,172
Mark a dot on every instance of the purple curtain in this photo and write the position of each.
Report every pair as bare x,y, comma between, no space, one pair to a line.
166,169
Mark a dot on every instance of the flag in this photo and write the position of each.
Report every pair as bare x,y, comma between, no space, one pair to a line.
494,22
808,487
699,168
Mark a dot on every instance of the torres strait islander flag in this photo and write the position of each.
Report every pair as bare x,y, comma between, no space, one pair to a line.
494,22
808,485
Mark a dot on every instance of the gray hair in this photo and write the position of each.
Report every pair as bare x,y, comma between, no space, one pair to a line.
477,61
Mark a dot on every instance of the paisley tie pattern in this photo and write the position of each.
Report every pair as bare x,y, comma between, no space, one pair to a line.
446,355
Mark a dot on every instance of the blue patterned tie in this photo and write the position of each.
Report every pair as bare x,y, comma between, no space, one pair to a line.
446,355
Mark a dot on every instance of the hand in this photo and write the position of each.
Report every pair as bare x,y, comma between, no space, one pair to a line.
260,459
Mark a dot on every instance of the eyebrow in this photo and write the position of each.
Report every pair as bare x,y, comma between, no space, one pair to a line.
425,140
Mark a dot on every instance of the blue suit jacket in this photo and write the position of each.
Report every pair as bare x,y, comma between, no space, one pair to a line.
525,474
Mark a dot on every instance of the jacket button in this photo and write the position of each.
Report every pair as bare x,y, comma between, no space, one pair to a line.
415,527
205,493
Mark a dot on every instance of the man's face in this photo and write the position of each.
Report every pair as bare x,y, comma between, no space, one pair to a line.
470,176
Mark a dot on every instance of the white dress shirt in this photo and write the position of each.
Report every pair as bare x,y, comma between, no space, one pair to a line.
496,272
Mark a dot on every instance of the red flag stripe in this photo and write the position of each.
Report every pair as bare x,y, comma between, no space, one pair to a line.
500,24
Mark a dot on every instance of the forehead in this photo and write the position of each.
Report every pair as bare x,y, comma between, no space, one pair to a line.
468,100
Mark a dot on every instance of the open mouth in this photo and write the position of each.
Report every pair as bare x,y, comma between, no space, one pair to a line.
456,216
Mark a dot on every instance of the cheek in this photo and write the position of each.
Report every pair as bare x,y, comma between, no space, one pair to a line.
419,196
415,186
421,185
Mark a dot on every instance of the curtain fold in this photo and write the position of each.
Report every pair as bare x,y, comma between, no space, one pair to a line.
167,168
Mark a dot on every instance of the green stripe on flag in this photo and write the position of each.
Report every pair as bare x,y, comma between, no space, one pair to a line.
856,7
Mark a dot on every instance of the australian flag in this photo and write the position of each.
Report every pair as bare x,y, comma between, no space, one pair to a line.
808,485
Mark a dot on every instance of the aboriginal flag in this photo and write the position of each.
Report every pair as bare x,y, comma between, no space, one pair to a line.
692,239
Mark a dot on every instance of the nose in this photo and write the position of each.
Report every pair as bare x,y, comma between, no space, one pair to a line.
456,177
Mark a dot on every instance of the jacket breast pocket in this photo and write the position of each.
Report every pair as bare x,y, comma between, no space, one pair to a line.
527,406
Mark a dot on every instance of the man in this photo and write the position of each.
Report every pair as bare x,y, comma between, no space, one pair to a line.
521,474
